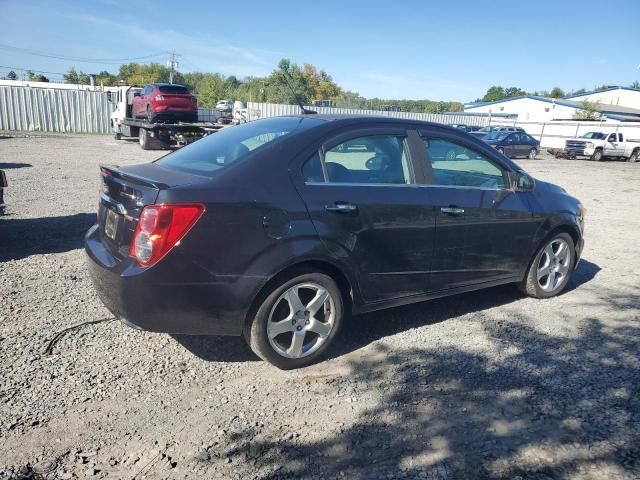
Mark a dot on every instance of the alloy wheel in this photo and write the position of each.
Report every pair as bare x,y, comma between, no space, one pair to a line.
554,264
301,320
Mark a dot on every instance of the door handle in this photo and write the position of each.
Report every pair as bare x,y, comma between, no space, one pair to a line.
453,211
341,207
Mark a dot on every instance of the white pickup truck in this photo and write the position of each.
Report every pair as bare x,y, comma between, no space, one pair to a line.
600,145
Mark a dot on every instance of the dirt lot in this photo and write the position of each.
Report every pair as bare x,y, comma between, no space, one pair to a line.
483,385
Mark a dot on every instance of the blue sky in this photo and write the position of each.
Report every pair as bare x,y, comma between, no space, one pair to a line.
448,50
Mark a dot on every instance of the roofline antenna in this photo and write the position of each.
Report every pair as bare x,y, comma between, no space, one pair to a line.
305,111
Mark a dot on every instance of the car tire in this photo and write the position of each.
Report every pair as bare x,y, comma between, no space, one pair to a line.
150,115
117,136
634,156
558,263
597,156
501,151
532,154
287,338
149,142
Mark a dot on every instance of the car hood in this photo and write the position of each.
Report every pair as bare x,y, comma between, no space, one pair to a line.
546,187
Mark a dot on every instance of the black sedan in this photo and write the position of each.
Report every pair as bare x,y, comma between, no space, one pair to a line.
281,228
514,144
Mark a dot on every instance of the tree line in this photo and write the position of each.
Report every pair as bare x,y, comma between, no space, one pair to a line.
287,84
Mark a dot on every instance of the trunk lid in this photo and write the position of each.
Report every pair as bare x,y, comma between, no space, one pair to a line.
124,192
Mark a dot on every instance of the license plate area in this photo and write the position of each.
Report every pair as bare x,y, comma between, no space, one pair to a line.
111,224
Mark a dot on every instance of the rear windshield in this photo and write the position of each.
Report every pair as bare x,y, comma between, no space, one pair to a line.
173,89
215,151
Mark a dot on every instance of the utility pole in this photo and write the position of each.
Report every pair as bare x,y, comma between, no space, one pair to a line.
172,64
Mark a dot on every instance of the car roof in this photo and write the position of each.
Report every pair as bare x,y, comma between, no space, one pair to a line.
346,119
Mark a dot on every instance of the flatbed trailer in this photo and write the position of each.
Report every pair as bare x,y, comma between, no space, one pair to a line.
161,136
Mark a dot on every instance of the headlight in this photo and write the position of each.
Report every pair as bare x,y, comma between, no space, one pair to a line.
589,145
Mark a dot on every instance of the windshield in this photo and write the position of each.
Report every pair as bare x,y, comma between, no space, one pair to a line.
594,135
497,136
230,144
173,89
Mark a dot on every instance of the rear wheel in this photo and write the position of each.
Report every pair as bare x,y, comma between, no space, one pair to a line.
150,116
533,153
551,268
501,150
149,142
297,321
597,156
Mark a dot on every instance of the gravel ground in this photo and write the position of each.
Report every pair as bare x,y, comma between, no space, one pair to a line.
482,385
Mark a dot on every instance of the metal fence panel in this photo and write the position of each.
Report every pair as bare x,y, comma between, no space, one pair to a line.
266,110
550,134
54,110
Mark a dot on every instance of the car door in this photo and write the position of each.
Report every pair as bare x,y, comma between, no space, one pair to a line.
611,146
483,226
361,193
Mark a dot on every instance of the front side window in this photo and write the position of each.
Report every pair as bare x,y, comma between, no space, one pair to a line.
370,159
457,165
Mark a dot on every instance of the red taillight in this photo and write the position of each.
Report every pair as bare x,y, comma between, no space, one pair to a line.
160,228
159,98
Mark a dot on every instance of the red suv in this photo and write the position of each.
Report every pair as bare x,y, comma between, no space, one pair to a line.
165,102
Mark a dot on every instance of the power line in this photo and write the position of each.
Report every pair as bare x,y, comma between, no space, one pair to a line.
104,61
32,70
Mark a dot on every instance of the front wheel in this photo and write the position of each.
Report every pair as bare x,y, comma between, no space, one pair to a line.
597,156
551,268
501,151
634,156
297,321
533,153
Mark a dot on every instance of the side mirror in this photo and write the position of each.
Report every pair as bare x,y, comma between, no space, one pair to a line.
524,183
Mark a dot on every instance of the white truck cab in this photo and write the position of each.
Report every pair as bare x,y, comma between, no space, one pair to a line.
122,99
600,145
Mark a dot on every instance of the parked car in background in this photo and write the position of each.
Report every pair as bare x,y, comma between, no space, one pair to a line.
464,128
317,217
165,102
3,185
600,145
513,144
225,106
493,128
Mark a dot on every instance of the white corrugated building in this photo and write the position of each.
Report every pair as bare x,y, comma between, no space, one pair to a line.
615,103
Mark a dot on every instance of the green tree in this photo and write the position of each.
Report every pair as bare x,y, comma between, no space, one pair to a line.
635,84
76,78
587,111
556,92
12,75
494,93
36,77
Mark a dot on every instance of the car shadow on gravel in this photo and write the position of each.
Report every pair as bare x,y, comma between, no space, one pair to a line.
10,165
22,237
362,330
534,406
217,348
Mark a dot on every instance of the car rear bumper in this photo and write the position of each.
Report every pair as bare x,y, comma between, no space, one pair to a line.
175,115
173,296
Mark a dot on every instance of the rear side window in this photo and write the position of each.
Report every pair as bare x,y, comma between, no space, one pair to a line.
371,159
458,165
173,89
218,150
